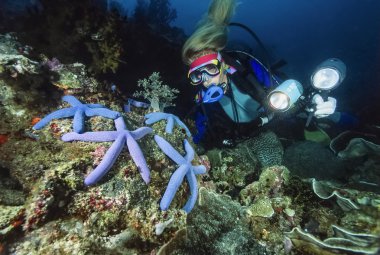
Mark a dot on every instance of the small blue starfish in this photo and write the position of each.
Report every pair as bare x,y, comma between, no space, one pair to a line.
122,137
171,118
79,111
185,168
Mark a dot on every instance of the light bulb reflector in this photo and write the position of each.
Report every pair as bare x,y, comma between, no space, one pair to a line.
326,79
279,101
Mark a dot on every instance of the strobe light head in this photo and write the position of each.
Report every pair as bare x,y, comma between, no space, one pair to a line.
285,95
329,74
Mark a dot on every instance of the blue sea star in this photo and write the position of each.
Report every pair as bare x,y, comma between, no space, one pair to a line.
121,137
171,118
79,111
185,169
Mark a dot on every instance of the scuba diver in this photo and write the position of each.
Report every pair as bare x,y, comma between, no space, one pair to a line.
236,90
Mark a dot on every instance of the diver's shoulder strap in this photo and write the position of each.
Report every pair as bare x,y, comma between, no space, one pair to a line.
244,78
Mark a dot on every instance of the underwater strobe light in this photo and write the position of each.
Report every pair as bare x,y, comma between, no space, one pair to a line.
329,74
285,95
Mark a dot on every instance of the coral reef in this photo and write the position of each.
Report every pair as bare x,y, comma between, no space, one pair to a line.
159,95
218,226
360,243
233,169
268,149
327,190
248,203
74,78
52,178
361,154
301,158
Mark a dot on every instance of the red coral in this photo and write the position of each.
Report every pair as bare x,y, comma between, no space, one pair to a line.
98,154
203,160
3,138
54,128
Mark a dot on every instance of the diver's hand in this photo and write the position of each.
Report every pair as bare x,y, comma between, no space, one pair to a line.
323,108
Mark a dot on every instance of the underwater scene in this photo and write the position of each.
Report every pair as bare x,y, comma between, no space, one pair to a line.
160,127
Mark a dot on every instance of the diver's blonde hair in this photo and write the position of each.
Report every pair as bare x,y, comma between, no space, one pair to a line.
211,33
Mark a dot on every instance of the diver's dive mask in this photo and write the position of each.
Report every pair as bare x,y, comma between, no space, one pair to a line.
201,70
202,74
204,67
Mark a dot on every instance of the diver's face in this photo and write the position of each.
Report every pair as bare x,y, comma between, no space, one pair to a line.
211,80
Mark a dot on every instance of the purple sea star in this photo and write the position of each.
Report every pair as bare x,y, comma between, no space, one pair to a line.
79,111
185,169
121,137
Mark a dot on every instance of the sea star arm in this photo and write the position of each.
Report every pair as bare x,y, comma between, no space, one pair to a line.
192,180
95,105
171,120
169,124
138,158
140,132
169,150
61,113
153,117
71,100
189,151
100,136
78,122
120,124
201,169
107,162
174,183
107,113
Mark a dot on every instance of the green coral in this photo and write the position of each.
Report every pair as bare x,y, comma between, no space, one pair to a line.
68,79
158,94
104,222
7,214
9,194
261,208
270,184
232,169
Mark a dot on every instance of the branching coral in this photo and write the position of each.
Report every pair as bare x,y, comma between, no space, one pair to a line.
159,95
